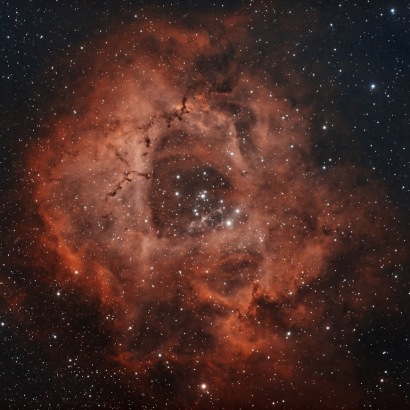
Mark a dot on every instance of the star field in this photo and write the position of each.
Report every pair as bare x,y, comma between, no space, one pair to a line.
205,205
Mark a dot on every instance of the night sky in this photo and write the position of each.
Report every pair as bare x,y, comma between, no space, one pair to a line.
204,205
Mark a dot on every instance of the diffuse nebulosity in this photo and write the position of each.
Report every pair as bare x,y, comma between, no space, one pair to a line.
181,200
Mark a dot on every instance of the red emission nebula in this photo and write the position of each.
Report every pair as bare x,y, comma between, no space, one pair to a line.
179,201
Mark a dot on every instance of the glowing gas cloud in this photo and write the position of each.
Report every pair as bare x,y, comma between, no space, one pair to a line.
180,199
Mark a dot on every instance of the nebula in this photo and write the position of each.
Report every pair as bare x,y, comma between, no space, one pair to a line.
181,202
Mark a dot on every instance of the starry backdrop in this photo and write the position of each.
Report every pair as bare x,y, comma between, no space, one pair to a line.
204,205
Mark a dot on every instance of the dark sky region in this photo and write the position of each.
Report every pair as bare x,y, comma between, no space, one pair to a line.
204,205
